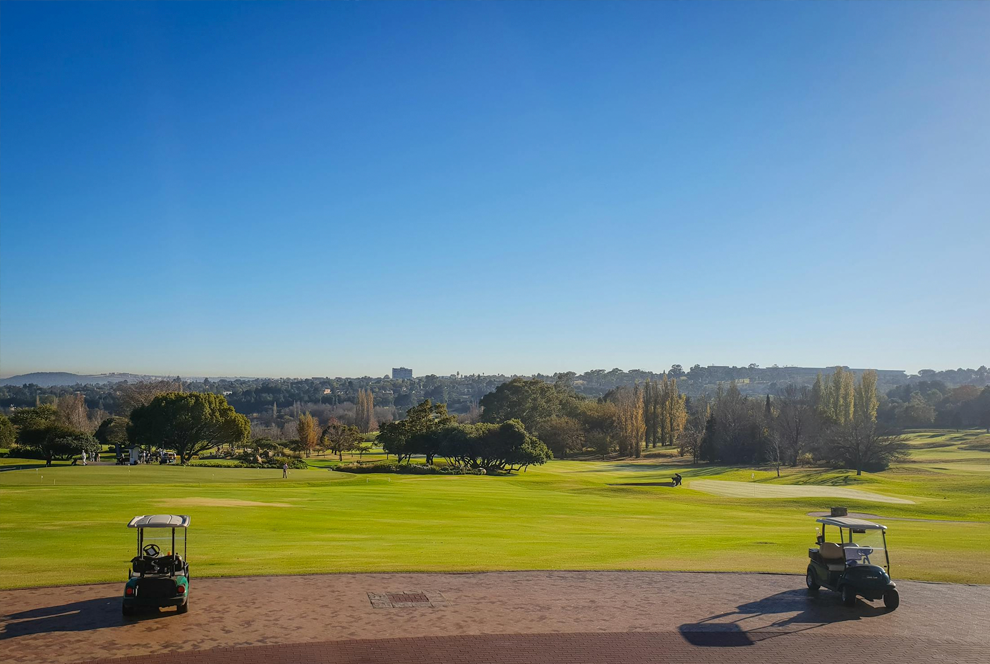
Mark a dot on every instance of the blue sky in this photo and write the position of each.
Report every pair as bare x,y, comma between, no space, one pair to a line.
316,189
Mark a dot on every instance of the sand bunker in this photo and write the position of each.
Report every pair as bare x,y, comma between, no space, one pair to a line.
755,490
217,502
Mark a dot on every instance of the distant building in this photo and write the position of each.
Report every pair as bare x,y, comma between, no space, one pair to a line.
401,373
327,390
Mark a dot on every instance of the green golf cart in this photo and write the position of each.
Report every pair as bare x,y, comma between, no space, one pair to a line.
859,568
157,580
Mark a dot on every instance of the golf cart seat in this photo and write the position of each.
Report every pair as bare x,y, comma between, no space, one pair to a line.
833,556
144,565
157,565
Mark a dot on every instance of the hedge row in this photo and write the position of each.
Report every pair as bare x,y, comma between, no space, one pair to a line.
404,469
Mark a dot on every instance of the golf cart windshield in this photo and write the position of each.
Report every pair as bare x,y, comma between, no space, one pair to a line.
861,542
866,548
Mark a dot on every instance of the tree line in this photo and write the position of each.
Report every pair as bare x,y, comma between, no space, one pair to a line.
834,422
256,397
837,420
625,420
187,422
429,430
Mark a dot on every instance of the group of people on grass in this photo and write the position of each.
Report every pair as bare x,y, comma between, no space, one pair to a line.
86,456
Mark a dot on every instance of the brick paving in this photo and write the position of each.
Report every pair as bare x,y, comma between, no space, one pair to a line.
585,648
552,617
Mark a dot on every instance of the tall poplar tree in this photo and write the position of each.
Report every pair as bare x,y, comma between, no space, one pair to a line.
306,430
867,400
364,412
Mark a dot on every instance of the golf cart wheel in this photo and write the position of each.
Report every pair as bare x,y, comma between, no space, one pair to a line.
891,599
128,611
848,596
184,607
809,579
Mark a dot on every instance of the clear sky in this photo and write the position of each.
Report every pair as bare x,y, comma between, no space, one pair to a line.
317,189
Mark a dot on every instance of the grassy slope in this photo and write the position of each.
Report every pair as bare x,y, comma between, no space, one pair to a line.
66,524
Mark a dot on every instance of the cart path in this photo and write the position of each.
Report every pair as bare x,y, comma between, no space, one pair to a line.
499,616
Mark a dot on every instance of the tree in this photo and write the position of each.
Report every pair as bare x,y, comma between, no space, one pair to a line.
529,401
392,437
917,413
794,422
37,429
364,411
629,419
840,391
8,434
395,436
188,423
563,435
56,441
306,432
866,401
673,412
600,421
693,434
862,446
133,395
492,447
33,418
112,431
983,408
664,412
772,448
736,429
339,437
651,413
72,411
817,396
72,442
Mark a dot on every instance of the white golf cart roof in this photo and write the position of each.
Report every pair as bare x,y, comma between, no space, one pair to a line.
160,521
850,522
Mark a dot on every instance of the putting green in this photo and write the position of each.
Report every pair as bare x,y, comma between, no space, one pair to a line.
756,490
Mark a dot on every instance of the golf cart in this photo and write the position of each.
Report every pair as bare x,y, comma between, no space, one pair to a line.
157,580
860,568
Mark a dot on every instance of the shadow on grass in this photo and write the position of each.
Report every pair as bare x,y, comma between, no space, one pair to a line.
770,617
81,616
667,484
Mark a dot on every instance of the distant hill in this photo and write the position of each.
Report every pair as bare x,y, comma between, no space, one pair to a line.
58,378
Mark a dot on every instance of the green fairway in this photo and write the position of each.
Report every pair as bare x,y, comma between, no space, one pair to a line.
65,524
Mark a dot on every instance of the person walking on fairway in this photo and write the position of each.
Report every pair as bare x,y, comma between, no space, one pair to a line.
285,469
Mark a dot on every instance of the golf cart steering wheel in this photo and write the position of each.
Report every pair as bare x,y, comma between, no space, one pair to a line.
152,550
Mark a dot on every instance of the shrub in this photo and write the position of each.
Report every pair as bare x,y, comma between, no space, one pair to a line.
21,452
399,468
277,462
